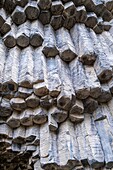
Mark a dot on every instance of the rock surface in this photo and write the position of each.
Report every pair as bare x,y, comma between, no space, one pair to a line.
56,85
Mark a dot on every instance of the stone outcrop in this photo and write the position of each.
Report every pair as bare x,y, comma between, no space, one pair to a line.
56,85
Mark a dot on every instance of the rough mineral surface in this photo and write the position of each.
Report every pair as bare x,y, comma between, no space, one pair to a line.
56,85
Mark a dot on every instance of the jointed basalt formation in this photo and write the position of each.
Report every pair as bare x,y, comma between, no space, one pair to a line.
56,85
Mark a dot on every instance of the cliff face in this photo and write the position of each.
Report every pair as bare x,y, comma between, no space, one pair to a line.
56,85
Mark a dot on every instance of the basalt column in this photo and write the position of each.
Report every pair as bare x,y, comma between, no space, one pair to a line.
56,85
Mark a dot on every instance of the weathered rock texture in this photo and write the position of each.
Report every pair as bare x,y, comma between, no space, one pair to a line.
56,85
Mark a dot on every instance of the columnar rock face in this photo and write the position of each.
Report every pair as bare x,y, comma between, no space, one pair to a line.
56,85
